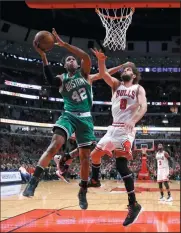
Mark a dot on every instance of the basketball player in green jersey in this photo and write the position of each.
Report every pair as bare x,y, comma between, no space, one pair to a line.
75,88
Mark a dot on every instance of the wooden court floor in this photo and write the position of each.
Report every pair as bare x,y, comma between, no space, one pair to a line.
54,208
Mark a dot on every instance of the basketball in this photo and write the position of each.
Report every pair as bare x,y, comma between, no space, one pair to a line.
44,40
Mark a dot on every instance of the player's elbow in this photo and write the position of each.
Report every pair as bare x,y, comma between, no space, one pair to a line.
106,74
102,73
86,58
144,106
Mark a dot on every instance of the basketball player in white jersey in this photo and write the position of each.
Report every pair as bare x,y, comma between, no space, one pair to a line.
162,164
129,105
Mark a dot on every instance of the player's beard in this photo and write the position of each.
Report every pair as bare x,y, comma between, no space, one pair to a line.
126,78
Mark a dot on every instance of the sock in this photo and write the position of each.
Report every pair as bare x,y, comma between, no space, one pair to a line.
167,187
162,194
129,185
38,171
95,171
126,174
83,184
131,198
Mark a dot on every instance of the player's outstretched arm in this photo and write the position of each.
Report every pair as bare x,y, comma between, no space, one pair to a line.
83,56
53,81
114,70
112,82
111,71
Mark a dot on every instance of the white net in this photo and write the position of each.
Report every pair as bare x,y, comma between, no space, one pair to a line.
116,23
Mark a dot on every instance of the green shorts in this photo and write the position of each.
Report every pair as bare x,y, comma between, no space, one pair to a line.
82,127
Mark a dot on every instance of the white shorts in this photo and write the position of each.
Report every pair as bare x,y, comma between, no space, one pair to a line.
163,174
117,138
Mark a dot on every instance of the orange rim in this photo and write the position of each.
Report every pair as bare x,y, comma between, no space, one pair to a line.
115,17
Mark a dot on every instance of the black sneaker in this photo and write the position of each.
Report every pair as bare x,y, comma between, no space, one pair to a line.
133,214
94,183
82,198
30,188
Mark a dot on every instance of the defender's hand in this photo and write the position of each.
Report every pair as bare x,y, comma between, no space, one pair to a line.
99,54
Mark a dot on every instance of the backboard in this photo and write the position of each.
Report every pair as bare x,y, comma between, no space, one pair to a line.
140,144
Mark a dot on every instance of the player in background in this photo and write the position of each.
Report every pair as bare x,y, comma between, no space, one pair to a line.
129,105
75,87
162,167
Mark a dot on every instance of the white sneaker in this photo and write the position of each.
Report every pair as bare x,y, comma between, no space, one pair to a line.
169,199
161,199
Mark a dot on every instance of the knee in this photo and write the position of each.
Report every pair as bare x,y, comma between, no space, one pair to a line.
166,185
84,157
160,185
56,144
84,154
122,166
96,156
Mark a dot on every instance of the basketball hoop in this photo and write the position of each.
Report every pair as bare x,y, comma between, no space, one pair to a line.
116,23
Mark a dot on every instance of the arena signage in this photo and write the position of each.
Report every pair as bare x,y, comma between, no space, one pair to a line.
9,190
10,176
22,85
159,69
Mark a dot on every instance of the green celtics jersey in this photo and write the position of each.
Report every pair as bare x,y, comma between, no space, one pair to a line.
77,93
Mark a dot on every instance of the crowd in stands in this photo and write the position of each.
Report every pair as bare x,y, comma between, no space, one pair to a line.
22,151
101,118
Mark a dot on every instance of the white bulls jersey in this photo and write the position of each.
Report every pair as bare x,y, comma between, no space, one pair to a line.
162,161
124,103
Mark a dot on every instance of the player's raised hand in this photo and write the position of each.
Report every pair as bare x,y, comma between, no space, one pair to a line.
99,54
59,41
36,47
